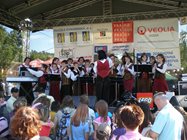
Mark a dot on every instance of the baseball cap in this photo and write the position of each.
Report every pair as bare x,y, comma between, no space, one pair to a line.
104,129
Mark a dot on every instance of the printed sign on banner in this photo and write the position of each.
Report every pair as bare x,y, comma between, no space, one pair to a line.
73,35
172,56
102,33
145,97
122,32
159,31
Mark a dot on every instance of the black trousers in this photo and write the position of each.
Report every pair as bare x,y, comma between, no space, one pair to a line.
103,88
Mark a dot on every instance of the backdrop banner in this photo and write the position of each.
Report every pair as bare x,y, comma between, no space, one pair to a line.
102,33
160,33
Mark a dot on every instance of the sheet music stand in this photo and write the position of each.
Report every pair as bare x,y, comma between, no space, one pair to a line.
140,69
86,80
53,77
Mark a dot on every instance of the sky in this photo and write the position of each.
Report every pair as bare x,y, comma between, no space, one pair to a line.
44,41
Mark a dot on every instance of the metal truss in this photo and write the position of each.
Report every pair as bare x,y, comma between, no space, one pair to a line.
107,7
26,5
159,3
8,19
42,24
67,8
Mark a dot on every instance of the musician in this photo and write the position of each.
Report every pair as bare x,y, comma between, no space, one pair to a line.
70,62
152,61
66,81
121,66
144,79
26,87
160,84
54,83
56,61
128,74
81,62
114,70
42,80
75,73
102,69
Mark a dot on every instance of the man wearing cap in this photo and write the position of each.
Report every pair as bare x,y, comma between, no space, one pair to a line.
12,99
39,92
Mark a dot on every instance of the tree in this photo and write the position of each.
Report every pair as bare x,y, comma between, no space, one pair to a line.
40,55
183,49
9,49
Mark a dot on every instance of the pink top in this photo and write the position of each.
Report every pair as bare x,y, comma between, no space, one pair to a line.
100,120
132,135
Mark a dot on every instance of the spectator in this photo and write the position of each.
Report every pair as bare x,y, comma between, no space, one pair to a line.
148,119
20,102
169,122
103,132
66,111
46,124
25,125
3,109
44,100
55,106
117,124
102,108
39,92
91,114
132,117
79,127
12,99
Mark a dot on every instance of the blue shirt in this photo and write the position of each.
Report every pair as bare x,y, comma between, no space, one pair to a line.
168,123
79,131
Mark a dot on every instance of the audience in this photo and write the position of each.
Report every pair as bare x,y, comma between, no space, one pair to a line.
168,122
117,124
3,109
25,124
62,117
79,127
102,109
148,119
12,99
132,117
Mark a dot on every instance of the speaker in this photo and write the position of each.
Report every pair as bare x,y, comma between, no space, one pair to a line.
92,101
182,99
182,87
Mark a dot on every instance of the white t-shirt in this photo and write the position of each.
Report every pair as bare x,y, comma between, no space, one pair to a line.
168,123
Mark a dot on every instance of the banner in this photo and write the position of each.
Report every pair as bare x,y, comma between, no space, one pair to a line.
122,32
102,33
73,35
160,33
172,56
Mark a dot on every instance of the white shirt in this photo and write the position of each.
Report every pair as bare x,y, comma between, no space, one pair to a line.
9,104
168,123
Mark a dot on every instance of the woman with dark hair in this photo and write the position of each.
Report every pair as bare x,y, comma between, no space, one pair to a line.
148,119
144,80
55,60
102,69
128,74
160,84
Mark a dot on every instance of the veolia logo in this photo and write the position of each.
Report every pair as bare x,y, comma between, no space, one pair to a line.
142,29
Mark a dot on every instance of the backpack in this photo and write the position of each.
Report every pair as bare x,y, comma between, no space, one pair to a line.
62,126
3,127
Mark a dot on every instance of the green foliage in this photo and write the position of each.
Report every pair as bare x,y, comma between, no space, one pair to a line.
9,49
40,55
183,49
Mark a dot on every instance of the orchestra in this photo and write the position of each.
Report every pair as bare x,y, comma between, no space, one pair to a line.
70,77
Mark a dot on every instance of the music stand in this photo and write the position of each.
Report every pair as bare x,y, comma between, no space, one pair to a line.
86,80
53,77
140,69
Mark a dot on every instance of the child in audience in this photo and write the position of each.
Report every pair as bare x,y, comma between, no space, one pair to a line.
102,109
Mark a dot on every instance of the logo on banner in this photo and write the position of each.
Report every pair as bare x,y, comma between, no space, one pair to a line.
142,29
